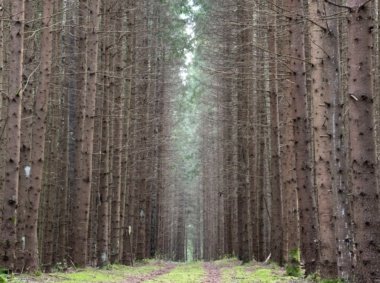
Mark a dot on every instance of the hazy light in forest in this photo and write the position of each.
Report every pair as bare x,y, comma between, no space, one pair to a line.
190,31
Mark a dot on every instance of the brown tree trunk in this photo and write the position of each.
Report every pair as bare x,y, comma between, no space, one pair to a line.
325,89
343,212
298,92
362,143
244,88
29,72
128,256
84,189
142,88
103,256
78,237
38,139
2,101
289,181
117,139
12,169
276,185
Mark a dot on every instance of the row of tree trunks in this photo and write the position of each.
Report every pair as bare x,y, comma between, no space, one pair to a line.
316,68
80,182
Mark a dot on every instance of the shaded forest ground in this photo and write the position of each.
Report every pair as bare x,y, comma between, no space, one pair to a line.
224,271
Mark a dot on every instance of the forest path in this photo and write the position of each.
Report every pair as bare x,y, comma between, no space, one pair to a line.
167,267
158,271
212,272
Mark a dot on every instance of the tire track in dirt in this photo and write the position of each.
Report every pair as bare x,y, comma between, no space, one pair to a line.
213,273
141,278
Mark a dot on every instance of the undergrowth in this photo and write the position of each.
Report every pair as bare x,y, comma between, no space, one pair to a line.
293,268
231,271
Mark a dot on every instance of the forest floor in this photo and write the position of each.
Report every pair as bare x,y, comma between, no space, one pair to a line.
154,271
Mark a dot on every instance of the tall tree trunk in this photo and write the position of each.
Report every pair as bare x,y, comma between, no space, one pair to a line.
244,88
343,223
276,185
70,84
289,181
142,88
103,256
362,143
38,139
78,237
127,257
2,100
117,138
29,78
307,220
84,193
325,89
12,169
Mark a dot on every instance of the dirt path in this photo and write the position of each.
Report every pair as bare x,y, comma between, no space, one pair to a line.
141,278
213,273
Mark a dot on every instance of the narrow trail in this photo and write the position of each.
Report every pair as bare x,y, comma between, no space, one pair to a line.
212,272
142,278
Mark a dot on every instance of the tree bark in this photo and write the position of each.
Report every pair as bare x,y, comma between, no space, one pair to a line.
84,189
29,80
12,170
244,88
298,92
325,90
276,184
38,139
362,143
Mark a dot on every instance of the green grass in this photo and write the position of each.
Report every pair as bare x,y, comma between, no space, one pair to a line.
231,271
228,261
89,275
113,273
184,273
250,274
227,274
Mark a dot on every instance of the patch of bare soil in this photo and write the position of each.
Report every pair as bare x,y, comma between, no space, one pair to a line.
213,273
